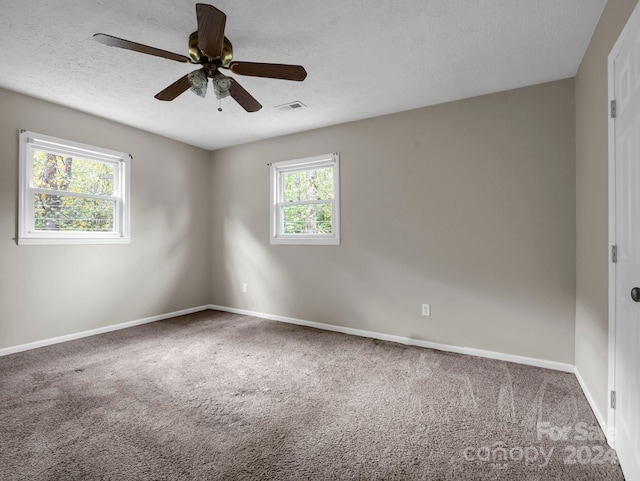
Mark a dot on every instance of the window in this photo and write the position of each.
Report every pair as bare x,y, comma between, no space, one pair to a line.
305,206
71,193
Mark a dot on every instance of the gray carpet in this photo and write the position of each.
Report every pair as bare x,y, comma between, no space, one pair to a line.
217,396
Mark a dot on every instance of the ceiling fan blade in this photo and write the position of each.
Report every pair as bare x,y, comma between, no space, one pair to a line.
244,98
211,22
176,88
269,70
138,47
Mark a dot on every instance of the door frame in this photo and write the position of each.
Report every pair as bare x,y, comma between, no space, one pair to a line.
611,139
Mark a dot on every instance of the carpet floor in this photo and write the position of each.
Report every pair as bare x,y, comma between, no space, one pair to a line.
218,396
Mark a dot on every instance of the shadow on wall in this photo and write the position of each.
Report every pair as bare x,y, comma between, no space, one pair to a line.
470,307
165,238
468,206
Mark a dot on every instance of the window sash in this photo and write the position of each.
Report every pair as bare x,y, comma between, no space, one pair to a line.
282,229
107,206
73,149
66,193
117,167
305,202
27,233
278,169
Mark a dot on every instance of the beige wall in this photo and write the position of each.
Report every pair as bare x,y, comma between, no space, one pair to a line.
592,250
468,206
49,291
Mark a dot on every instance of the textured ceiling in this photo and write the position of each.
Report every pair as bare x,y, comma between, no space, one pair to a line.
364,57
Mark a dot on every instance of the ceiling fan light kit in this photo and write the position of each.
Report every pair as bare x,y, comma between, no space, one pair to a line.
209,48
198,80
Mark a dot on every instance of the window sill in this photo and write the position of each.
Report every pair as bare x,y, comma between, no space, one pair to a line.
305,241
25,241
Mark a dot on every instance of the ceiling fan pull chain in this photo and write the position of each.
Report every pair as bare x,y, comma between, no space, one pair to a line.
219,105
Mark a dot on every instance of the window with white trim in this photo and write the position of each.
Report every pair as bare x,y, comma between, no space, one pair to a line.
305,201
71,193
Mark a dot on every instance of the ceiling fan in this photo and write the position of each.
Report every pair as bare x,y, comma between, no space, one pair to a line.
209,48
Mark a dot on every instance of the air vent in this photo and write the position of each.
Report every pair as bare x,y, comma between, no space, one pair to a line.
291,105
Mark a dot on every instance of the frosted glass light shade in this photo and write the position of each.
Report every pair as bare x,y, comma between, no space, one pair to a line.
199,81
221,85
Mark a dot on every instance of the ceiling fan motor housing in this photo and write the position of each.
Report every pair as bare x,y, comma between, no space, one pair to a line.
198,57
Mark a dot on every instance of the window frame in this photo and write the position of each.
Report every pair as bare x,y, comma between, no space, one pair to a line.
277,203
28,235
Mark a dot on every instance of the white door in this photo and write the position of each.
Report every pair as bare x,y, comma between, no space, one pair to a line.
626,83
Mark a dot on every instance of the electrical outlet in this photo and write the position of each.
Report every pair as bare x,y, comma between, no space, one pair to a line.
426,309
245,288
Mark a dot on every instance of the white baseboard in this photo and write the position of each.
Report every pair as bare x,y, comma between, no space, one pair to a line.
530,361
594,407
101,330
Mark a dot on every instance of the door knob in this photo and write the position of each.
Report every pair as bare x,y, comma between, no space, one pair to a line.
635,294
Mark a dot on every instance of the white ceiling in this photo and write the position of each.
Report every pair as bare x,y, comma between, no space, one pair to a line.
364,57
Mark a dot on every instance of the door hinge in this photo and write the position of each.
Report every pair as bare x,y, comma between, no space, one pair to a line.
614,254
613,399
613,109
